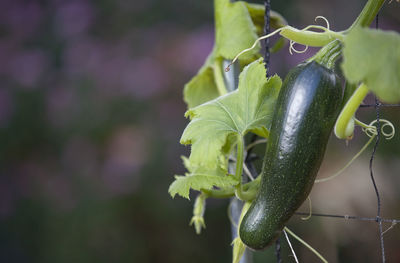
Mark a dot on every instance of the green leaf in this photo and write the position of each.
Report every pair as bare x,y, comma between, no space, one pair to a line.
215,125
202,87
257,13
200,178
235,30
373,57
199,181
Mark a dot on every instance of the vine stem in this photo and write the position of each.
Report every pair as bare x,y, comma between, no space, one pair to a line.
306,244
248,191
239,168
348,164
239,159
251,145
368,14
342,131
218,76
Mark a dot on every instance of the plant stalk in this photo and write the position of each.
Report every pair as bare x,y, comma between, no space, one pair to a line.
368,14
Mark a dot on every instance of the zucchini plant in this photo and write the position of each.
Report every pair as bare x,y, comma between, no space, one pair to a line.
294,117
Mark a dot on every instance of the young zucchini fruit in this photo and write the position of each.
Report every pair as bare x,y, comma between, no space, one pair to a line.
307,108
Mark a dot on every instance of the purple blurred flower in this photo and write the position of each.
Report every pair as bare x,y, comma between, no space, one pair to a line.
21,18
191,53
73,18
6,54
134,6
82,57
144,77
114,71
26,67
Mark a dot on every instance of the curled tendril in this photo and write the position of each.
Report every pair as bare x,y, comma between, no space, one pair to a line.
310,210
371,130
323,18
253,46
293,49
325,29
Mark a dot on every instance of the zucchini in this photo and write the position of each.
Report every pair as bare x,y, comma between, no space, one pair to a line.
308,106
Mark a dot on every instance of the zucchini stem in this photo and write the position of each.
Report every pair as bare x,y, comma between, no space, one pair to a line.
245,195
328,55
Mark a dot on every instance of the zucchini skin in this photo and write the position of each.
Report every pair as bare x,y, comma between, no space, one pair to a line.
308,105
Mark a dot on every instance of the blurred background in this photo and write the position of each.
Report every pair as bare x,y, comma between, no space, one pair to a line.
91,113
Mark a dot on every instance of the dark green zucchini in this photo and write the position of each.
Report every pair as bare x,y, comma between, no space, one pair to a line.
307,108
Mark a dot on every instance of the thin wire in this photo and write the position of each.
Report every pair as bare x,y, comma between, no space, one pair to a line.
380,105
247,172
267,4
290,245
360,218
378,198
267,29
